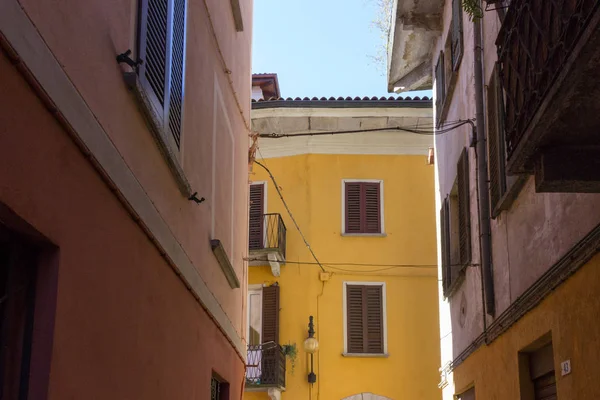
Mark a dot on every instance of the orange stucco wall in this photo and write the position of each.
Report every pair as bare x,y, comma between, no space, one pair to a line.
570,315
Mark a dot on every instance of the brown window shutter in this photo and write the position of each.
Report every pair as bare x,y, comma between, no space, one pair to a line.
440,86
445,246
153,47
354,319
270,314
255,230
364,319
457,34
176,80
372,207
464,210
374,319
353,207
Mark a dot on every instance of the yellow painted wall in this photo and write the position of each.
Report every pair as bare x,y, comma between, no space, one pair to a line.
312,186
570,313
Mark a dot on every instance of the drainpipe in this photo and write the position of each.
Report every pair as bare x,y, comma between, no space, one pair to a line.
482,179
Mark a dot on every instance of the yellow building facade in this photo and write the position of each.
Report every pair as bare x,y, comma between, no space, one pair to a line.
364,203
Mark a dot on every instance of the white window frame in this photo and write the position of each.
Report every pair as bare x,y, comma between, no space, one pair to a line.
384,317
381,207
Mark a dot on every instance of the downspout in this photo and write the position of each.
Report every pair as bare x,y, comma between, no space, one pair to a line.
482,179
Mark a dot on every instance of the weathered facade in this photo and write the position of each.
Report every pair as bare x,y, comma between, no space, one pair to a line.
123,198
518,217
364,203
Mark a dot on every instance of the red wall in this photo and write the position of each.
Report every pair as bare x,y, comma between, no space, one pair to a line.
126,327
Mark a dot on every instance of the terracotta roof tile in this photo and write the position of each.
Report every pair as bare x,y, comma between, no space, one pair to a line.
341,102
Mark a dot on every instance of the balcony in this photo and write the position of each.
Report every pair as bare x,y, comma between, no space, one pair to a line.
265,367
549,58
267,241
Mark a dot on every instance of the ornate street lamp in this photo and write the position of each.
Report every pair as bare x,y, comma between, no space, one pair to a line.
311,345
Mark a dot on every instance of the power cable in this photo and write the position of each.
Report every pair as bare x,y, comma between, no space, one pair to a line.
290,214
411,129
350,264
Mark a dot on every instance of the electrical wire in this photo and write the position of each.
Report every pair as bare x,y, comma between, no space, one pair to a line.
355,264
290,214
411,129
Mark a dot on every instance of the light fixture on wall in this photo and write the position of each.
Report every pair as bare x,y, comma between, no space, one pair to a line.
311,345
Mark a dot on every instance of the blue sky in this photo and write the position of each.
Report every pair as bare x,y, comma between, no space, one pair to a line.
319,47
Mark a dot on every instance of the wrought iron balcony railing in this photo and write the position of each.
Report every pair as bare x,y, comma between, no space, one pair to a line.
536,39
265,366
268,233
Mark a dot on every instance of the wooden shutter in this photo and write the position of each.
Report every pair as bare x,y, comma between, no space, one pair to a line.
372,207
496,148
270,314
440,86
256,227
374,319
364,319
362,207
353,206
464,209
457,34
161,46
445,246
354,319
177,70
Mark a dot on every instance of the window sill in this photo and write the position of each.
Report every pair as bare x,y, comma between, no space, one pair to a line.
366,355
169,153
365,234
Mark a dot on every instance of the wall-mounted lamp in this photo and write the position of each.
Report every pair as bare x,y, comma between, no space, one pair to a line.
311,345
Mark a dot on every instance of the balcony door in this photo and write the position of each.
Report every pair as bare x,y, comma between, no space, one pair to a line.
253,371
256,230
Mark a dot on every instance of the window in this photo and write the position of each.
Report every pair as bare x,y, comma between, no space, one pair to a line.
456,30
455,217
263,335
446,68
257,212
219,389
162,49
500,183
364,318
537,375
363,208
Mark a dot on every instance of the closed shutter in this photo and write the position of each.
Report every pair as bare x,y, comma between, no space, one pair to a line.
496,153
256,227
464,209
372,208
364,319
440,86
177,70
353,214
457,34
544,387
270,314
354,319
161,46
362,207
445,246
374,319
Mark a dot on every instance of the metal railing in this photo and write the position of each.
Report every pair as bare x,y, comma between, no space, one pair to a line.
265,366
535,41
268,232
